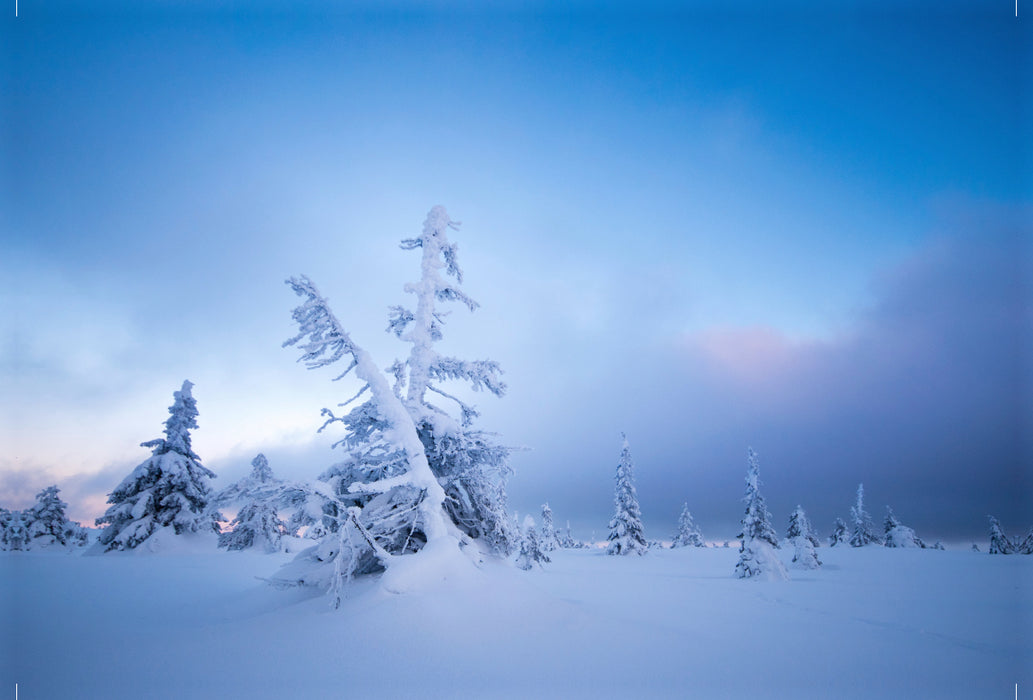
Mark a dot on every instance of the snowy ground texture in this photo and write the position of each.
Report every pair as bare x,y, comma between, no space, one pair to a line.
179,623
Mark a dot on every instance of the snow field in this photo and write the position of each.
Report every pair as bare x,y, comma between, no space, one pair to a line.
190,621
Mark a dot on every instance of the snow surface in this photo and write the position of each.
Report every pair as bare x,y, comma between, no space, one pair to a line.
192,621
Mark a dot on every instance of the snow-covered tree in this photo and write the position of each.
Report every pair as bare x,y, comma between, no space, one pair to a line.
758,540
863,532
801,536
688,534
568,541
999,542
626,535
170,489
1026,546
897,534
259,484
14,535
257,525
550,542
839,533
413,474
531,551
47,524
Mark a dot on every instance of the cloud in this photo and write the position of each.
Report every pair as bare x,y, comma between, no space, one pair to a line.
924,397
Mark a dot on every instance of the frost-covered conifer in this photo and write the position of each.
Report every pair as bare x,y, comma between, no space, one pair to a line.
531,551
999,542
688,534
47,524
259,484
257,525
626,526
549,540
413,474
568,541
758,540
1026,546
863,532
14,535
896,534
802,538
839,533
170,489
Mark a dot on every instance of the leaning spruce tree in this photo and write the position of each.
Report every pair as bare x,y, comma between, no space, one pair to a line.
169,490
757,556
414,479
839,533
626,535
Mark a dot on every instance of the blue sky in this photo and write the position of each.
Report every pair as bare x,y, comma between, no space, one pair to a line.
803,230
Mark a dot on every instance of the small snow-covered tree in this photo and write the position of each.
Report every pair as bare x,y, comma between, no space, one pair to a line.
839,533
14,536
801,536
257,525
568,541
688,534
531,551
550,542
626,535
47,524
863,532
1026,546
896,534
170,489
999,542
259,484
758,543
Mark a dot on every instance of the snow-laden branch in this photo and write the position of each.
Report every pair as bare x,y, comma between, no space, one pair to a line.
479,373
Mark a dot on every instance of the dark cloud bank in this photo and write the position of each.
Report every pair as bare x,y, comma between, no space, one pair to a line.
926,400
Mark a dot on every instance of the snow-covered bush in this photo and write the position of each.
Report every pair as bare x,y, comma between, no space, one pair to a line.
688,534
758,543
802,538
626,526
531,551
898,535
863,533
170,489
13,532
413,474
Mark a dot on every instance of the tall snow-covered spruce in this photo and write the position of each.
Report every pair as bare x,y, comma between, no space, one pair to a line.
757,557
414,478
169,490
626,535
